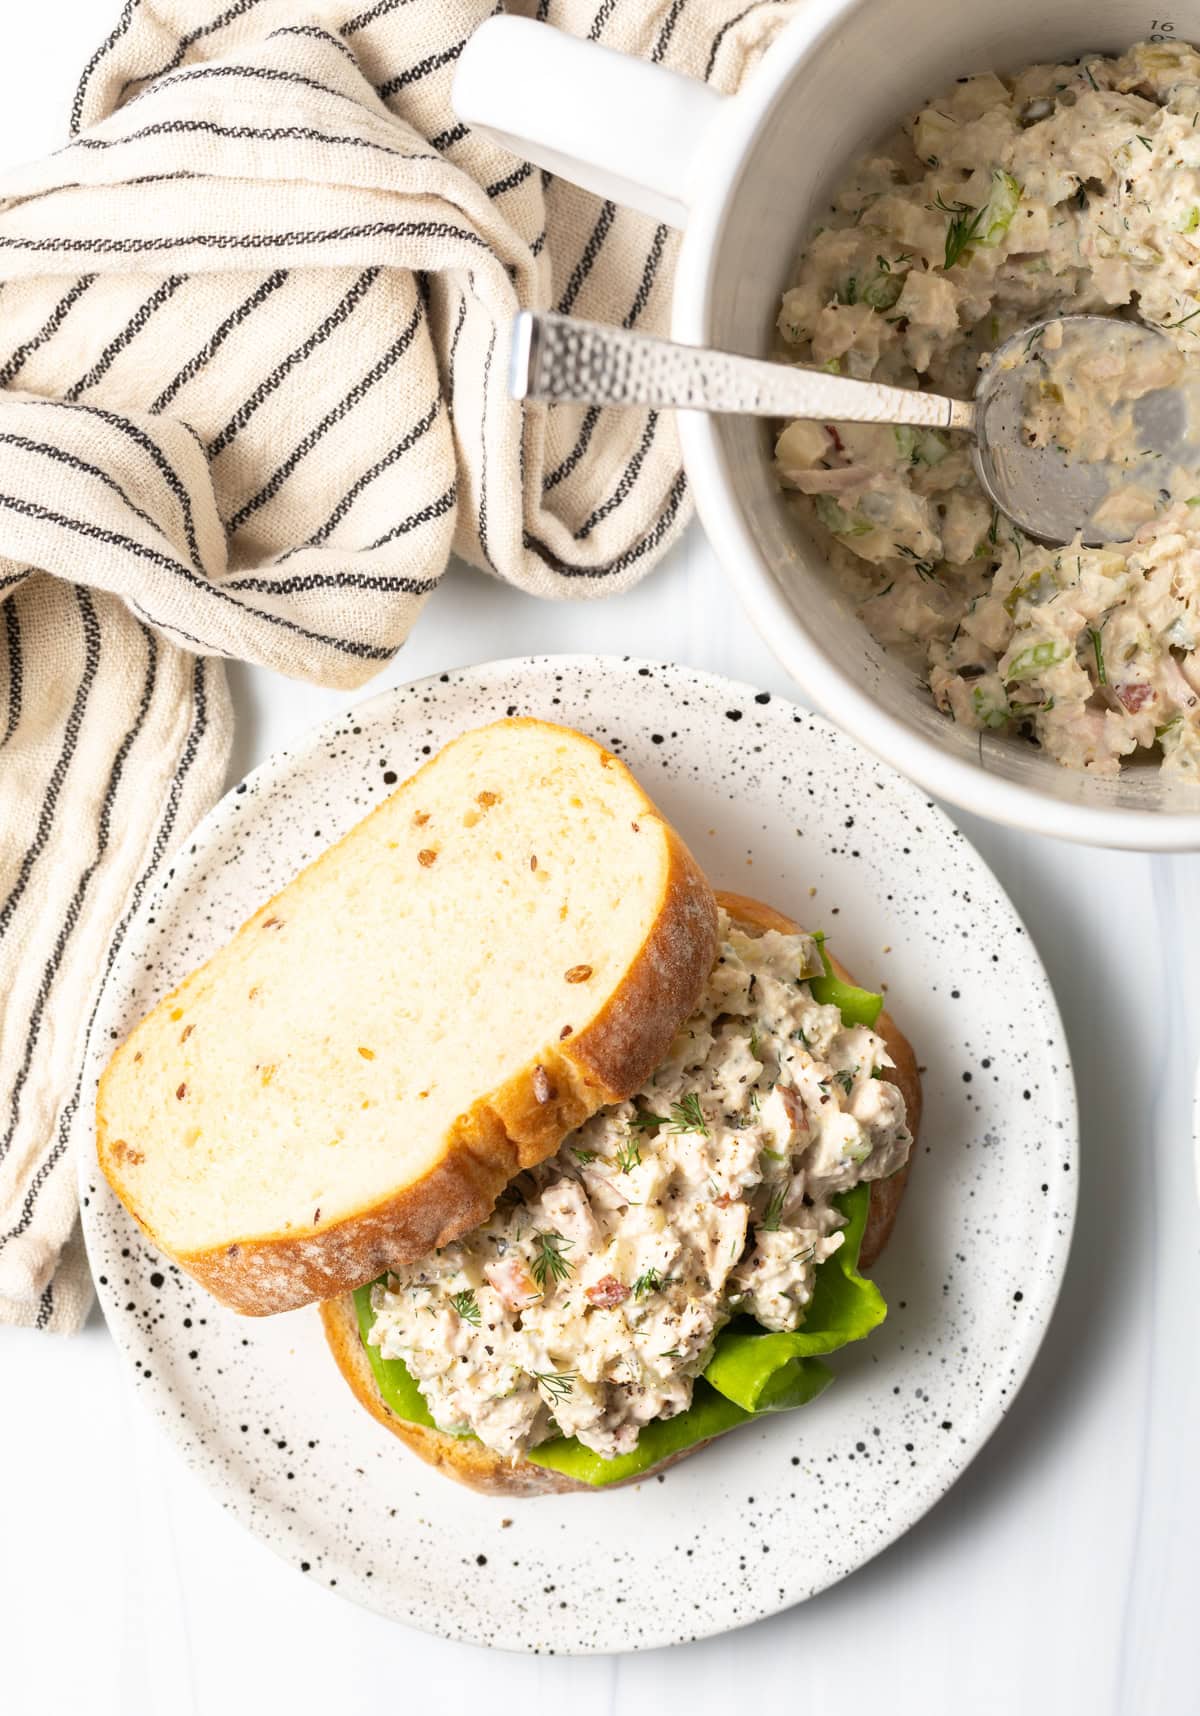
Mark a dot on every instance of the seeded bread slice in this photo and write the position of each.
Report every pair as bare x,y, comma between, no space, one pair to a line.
481,1468
507,943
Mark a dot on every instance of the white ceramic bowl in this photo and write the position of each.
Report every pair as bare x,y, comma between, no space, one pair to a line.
744,176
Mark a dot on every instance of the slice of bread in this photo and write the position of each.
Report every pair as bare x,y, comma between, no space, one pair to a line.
479,1467
507,943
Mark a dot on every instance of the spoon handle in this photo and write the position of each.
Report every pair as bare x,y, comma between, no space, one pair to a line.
557,358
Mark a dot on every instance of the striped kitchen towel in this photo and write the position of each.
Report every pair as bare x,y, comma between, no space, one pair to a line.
252,340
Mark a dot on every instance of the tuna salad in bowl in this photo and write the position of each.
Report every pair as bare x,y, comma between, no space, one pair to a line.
1001,202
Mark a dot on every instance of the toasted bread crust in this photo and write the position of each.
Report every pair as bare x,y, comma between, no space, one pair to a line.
479,1467
505,1130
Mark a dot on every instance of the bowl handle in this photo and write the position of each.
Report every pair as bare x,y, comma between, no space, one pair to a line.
619,126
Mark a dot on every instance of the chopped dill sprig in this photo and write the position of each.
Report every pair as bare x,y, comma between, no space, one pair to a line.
549,1260
629,1156
846,1080
1101,675
923,568
555,1385
467,1306
582,1156
962,231
688,1116
773,1213
649,1281
644,1121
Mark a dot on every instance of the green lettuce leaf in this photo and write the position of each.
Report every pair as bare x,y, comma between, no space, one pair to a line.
857,1006
392,1376
763,1372
749,1373
710,1414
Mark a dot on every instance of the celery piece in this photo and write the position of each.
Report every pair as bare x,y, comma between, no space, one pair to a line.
881,289
987,712
837,520
1000,207
906,442
1034,658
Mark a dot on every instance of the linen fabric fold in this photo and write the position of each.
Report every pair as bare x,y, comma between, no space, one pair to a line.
253,339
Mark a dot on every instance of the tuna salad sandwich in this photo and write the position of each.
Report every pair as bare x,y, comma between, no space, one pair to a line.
583,1160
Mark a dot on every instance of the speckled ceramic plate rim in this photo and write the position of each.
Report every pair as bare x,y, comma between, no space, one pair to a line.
100,1210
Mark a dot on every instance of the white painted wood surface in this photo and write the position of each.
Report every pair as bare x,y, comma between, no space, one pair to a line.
1059,1574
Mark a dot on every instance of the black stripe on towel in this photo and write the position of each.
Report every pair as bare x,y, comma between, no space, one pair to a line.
591,251
435,509
518,176
163,465
183,43
628,477
47,331
607,8
342,409
215,592
162,841
376,582
379,10
356,488
106,47
445,139
720,37
62,456
213,345
74,909
667,31
482,520
414,74
16,670
245,134
242,240
319,335
70,740
592,415
631,555
587,429
317,33
161,295
264,74
458,328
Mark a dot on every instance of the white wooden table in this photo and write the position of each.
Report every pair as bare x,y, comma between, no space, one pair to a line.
1060,1574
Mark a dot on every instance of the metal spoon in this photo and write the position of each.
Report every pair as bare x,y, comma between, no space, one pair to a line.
1050,491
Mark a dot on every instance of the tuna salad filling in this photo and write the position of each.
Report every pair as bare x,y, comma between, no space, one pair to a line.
589,1303
1070,188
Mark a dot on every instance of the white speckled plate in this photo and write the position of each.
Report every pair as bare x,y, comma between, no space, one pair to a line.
777,803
